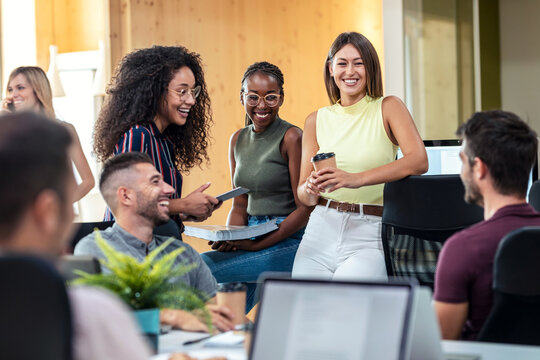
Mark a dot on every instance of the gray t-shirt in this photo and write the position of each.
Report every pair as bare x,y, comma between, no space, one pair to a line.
200,277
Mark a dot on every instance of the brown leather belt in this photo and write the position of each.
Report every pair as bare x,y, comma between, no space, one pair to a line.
375,210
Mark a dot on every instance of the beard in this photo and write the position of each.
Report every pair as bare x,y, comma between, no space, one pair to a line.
472,193
149,209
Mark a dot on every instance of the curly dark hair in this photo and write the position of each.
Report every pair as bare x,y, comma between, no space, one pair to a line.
137,90
266,68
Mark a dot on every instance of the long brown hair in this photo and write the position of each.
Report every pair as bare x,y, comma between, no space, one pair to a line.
39,82
374,86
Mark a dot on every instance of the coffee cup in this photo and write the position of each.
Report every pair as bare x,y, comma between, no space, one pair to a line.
248,331
233,296
324,160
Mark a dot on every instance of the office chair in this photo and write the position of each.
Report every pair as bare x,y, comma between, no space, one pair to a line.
168,229
534,195
35,316
420,213
515,315
84,228
86,263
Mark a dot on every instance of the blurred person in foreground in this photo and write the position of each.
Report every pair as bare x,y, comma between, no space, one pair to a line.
36,190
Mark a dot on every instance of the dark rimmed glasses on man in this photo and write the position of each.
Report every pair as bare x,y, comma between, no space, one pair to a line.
185,91
252,99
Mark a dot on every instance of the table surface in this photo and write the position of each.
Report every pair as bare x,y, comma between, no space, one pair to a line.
172,342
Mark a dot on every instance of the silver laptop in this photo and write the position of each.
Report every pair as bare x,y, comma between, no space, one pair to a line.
312,319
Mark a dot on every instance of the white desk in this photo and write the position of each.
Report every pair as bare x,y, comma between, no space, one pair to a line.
172,342
492,351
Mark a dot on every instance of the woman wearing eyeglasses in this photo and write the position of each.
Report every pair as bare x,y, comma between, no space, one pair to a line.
264,157
158,104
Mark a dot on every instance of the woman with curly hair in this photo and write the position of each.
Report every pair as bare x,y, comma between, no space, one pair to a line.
158,104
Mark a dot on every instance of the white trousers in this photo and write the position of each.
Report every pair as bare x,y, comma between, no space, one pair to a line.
340,245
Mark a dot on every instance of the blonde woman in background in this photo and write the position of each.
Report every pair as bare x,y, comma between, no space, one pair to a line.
28,89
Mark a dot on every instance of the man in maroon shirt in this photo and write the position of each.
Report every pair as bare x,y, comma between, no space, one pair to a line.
497,155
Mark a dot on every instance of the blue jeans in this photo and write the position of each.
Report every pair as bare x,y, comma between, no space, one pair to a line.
246,266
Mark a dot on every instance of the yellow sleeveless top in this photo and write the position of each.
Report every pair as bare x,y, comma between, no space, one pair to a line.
357,136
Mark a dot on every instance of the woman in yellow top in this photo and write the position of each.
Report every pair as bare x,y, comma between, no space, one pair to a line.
29,89
363,129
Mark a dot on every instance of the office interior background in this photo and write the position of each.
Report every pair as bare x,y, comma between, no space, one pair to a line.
444,58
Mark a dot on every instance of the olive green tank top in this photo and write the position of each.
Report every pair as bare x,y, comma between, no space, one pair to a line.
261,168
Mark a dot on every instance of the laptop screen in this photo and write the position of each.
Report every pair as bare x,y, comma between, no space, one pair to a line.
308,319
443,157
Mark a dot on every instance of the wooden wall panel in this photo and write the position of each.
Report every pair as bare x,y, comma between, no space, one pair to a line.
232,34
71,25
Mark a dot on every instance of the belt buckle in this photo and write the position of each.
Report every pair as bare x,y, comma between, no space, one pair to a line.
343,207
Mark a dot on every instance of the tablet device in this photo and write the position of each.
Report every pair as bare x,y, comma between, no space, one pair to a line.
232,193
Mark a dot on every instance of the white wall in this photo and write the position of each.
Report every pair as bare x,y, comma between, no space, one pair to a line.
18,36
520,59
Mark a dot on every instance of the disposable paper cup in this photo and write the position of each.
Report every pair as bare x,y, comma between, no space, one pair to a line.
248,330
323,160
233,296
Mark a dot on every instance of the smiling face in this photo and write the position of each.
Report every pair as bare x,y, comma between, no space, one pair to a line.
261,84
152,194
175,107
22,94
349,74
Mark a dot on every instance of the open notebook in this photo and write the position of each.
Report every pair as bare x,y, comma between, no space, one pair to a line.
312,319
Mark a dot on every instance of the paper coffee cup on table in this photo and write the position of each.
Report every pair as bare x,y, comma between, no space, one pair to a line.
233,296
323,160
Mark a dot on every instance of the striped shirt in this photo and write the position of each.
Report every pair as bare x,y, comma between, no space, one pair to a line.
146,138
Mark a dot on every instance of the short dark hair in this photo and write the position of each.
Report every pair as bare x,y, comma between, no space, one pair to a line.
374,86
33,158
121,162
506,144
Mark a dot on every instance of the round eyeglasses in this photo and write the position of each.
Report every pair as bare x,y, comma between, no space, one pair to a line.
252,99
185,91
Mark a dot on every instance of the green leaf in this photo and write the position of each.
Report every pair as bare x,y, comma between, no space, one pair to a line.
154,282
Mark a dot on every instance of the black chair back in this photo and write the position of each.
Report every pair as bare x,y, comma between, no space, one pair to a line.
515,315
34,311
168,229
86,263
534,195
420,213
85,228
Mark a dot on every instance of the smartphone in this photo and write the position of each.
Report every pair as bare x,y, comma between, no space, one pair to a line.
232,193
11,107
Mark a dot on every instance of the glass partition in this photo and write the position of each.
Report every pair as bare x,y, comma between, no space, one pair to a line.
439,64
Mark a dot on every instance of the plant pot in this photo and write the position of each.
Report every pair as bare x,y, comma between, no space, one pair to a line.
148,320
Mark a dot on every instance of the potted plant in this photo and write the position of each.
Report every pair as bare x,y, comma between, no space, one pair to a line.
147,286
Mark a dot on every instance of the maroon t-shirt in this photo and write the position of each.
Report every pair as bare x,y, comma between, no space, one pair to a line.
465,265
